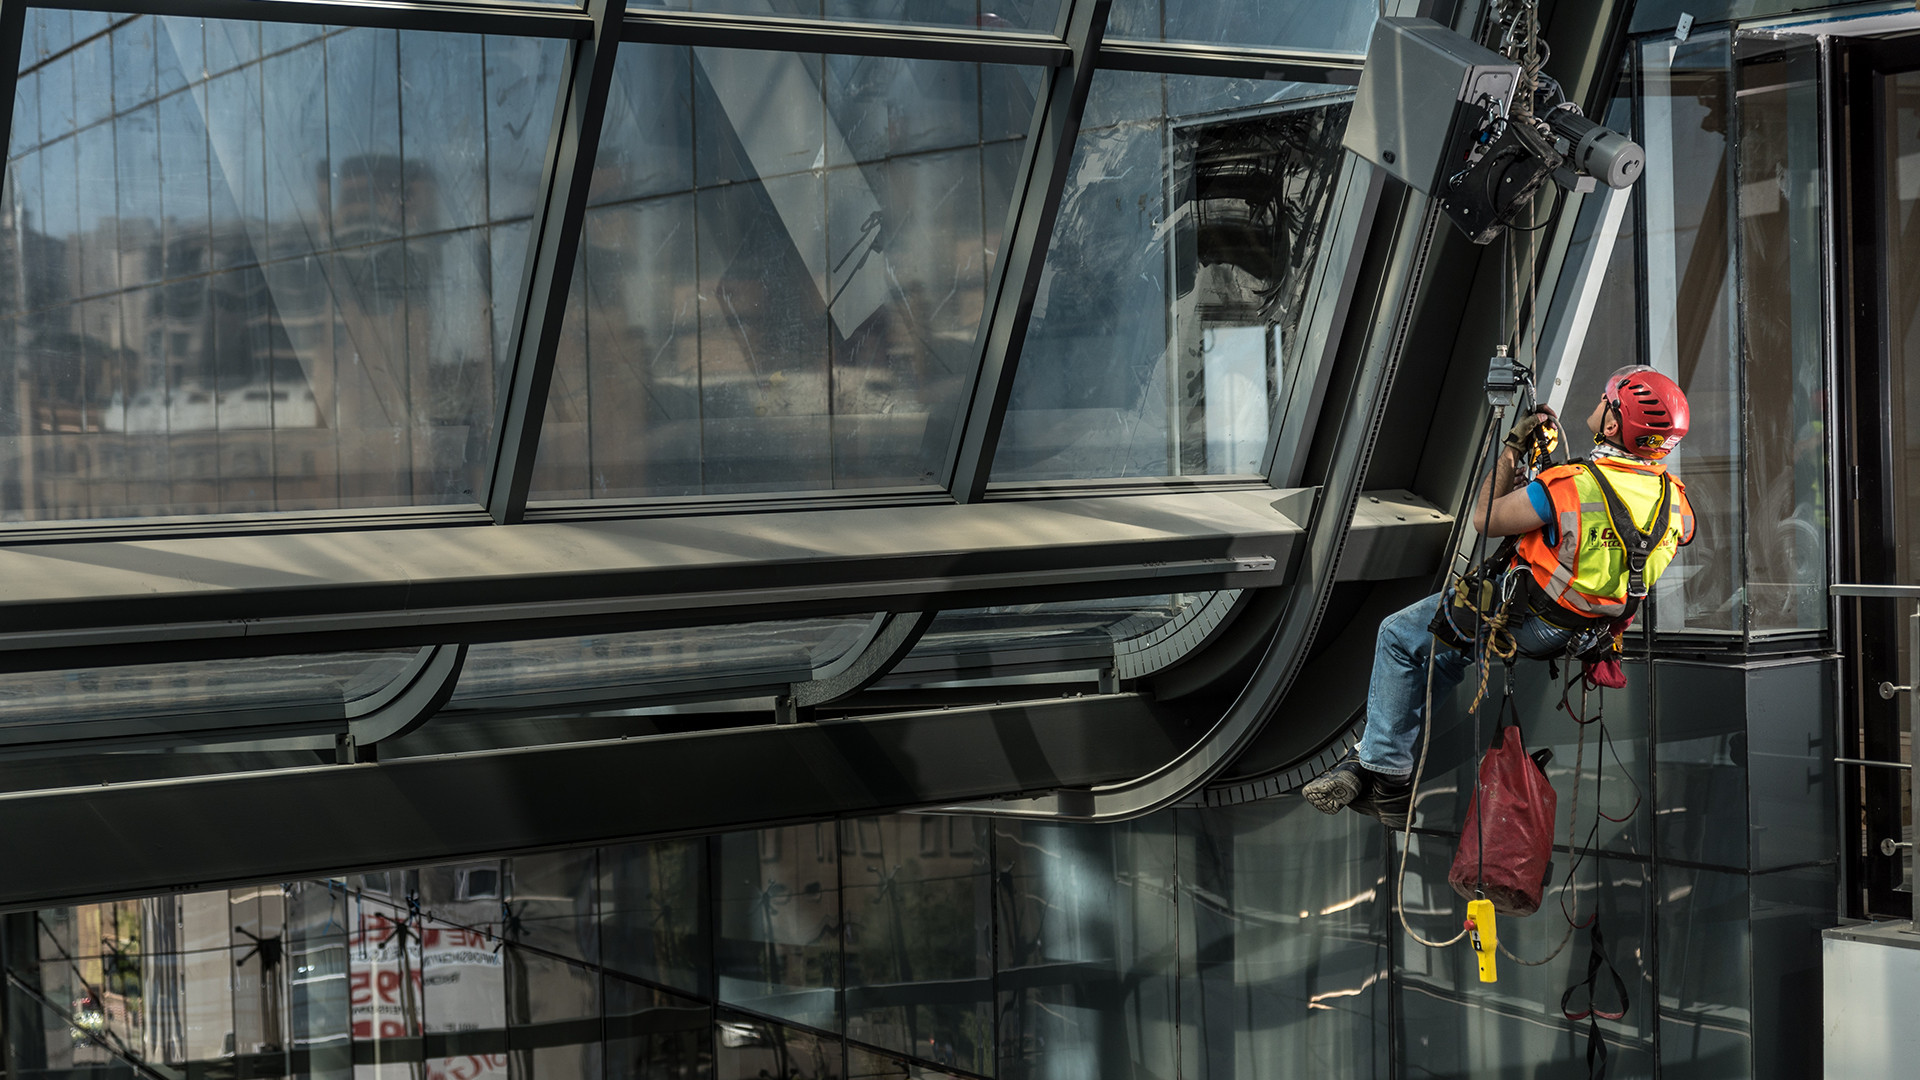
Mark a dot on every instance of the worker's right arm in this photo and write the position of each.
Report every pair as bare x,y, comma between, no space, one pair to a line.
1512,511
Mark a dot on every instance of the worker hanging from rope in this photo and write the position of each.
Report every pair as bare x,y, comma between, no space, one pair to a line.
1589,539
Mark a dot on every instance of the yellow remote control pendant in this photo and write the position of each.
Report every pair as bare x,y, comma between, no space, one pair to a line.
1485,937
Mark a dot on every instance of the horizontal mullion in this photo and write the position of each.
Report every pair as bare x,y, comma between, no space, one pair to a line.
753,503
270,522
521,20
1274,65
839,38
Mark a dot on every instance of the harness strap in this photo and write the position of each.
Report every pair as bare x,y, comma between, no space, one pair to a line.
1593,1014
1637,544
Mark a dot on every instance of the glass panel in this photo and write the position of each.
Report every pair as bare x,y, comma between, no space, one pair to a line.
553,903
1283,940
1781,270
321,1024
750,1049
1340,25
920,938
553,1018
652,1034
1893,790
783,272
1031,15
1168,317
1707,954
463,969
250,271
1685,109
1088,937
385,980
864,1064
1464,1028
32,698
650,661
1058,635
778,921
654,913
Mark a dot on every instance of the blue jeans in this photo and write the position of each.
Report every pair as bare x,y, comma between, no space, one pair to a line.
1397,695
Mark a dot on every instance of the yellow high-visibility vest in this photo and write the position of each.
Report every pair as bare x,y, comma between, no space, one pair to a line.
1586,570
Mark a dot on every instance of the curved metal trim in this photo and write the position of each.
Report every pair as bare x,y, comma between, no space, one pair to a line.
408,701
1168,644
1326,535
1290,778
889,641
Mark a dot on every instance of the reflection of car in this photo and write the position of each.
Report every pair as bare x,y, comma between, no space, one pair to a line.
736,1033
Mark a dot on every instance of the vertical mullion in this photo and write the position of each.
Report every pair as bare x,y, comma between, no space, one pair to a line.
1039,185
552,246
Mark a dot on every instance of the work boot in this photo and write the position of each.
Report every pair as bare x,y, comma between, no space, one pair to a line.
1352,785
1339,786
1388,798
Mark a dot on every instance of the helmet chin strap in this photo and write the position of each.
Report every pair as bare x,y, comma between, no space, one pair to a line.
1599,439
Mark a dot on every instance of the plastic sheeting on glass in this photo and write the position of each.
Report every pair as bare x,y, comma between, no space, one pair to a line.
1063,635
1319,25
199,688
783,272
253,267
1168,317
650,662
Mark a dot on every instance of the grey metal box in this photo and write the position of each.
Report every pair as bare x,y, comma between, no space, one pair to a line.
1421,99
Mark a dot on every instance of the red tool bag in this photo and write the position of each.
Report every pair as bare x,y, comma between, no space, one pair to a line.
1515,824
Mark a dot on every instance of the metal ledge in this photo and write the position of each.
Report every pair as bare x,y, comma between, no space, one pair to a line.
123,840
1395,534
91,605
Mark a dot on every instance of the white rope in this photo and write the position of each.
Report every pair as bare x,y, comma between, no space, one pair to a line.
1413,799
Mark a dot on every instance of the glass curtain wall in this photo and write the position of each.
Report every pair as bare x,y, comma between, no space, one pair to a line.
1729,222
1243,942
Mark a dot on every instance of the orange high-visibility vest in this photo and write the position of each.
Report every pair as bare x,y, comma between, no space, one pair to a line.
1586,571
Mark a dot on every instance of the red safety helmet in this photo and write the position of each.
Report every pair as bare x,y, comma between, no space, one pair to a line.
1652,410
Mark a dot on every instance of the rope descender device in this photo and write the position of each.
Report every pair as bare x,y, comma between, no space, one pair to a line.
1485,937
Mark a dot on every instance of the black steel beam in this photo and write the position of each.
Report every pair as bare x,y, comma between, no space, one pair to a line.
542,305
125,840
844,38
520,20
1227,62
1039,185
93,605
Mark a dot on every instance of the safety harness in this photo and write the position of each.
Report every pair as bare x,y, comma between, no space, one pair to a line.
1638,545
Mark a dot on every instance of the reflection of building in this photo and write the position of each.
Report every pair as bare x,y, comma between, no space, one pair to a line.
165,364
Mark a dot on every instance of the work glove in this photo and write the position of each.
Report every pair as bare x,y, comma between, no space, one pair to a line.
1523,432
